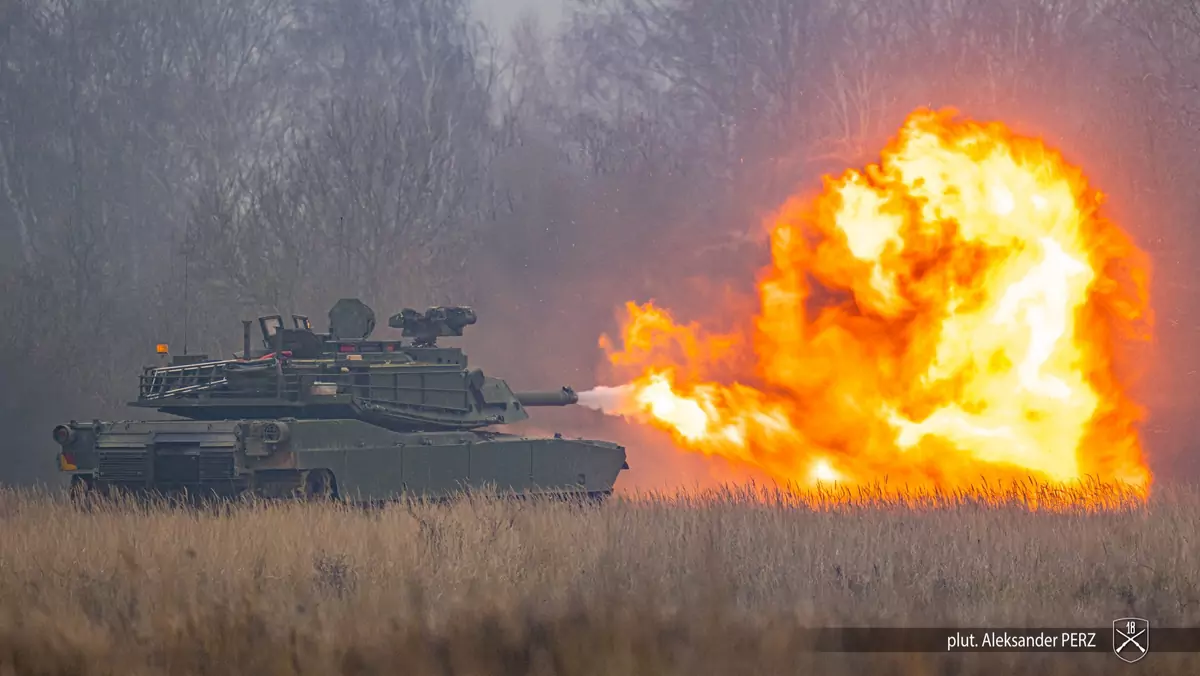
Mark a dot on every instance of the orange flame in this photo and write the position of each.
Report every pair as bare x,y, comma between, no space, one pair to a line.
980,299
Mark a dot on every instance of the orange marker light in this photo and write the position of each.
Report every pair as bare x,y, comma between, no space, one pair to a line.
161,348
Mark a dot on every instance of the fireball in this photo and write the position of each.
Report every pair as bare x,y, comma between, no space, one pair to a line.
950,314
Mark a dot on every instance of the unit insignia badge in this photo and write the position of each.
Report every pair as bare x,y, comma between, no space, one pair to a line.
1131,638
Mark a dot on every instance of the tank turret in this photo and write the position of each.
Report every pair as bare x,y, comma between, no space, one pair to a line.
346,373
366,409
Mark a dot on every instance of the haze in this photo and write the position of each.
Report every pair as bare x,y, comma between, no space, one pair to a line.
167,169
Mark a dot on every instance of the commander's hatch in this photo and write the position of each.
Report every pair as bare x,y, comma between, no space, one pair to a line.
270,325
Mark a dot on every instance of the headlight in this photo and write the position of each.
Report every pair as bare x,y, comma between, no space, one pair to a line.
64,435
275,432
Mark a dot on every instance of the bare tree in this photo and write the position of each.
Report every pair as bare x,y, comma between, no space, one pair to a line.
387,179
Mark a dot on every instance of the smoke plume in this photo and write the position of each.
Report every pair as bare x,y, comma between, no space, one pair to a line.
617,400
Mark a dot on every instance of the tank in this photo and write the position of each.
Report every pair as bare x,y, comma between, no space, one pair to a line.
336,415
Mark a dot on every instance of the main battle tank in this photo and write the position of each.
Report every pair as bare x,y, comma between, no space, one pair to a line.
337,414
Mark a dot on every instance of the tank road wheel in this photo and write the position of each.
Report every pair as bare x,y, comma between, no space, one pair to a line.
319,486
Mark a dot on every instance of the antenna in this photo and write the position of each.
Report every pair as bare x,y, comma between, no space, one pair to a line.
344,253
187,251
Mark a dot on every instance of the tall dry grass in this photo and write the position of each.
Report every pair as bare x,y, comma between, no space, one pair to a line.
712,583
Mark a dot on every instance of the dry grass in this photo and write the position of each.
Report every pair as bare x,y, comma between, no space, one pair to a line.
717,583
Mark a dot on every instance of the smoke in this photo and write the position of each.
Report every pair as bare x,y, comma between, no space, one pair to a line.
657,463
617,400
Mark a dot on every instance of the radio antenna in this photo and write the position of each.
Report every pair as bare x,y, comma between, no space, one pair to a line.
187,251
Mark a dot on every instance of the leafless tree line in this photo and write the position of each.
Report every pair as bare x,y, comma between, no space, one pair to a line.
169,167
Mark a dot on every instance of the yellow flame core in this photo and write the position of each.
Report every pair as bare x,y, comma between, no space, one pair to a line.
986,297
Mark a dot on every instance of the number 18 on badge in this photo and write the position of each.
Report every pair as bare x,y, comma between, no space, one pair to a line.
1131,638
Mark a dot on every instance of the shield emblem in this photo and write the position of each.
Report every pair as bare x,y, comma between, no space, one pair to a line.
1131,638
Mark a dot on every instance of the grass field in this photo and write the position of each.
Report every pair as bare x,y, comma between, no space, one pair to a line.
713,583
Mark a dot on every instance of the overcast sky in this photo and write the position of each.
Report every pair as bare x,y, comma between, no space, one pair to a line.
501,13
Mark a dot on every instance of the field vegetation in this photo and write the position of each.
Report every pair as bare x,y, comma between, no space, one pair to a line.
717,582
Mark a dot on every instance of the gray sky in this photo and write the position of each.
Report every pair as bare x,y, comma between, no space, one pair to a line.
501,13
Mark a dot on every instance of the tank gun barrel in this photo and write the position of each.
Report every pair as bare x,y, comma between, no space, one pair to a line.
564,397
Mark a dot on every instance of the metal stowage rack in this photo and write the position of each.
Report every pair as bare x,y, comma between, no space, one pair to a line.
171,381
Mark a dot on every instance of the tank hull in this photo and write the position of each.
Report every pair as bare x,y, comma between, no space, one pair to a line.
347,459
